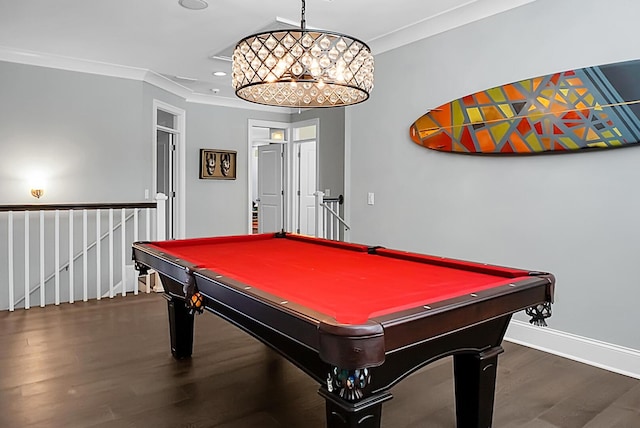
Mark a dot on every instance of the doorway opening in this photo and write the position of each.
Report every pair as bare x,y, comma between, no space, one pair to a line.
267,142
283,176
304,176
168,165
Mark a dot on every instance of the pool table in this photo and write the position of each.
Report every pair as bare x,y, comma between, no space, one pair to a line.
357,319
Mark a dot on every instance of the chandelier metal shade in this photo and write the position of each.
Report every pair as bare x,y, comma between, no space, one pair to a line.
302,68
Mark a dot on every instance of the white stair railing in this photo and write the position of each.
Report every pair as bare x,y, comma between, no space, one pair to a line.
329,223
56,246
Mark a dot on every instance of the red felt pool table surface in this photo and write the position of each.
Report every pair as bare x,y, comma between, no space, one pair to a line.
340,280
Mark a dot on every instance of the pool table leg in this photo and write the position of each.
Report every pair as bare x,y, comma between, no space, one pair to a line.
180,328
475,384
365,413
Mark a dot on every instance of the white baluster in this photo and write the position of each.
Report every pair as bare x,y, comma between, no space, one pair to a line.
331,221
10,253
57,257
325,220
135,238
148,224
71,271
123,250
338,222
98,256
111,253
26,261
136,226
42,283
85,238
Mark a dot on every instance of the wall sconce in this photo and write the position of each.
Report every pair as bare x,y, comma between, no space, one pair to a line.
37,193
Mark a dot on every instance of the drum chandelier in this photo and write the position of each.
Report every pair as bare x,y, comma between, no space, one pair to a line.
302,68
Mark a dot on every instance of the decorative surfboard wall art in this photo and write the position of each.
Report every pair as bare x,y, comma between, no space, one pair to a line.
592,107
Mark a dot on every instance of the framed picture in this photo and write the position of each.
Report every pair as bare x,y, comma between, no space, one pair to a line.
217,164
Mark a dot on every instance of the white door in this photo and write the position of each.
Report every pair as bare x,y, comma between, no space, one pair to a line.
306,187
270,188
165,167
169,165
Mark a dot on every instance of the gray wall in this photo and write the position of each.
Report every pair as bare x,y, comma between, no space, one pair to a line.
91,137
330,149
213,207
83,132
219,207
574,215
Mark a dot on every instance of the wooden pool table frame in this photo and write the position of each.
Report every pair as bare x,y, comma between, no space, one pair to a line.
389,347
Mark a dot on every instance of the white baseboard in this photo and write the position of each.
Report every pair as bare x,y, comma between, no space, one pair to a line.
618,359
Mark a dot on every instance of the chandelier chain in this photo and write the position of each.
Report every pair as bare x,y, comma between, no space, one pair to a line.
303,21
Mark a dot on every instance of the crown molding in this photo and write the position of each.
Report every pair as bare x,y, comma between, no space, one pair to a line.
472,10
70,64
458,16
196,97
39,59
161,82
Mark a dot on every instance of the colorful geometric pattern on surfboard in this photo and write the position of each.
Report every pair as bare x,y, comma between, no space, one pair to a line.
593,107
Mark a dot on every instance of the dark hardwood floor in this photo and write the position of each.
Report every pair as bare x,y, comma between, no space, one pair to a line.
108,364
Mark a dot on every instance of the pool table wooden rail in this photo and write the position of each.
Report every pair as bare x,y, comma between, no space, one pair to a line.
293,330
289,328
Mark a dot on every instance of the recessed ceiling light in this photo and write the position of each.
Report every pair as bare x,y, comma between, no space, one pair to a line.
215,90
219,73
193,4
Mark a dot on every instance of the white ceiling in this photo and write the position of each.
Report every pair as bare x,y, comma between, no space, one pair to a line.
165,38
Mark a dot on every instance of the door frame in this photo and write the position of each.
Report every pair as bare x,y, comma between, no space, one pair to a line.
179,167
294,202
289,166
286,166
